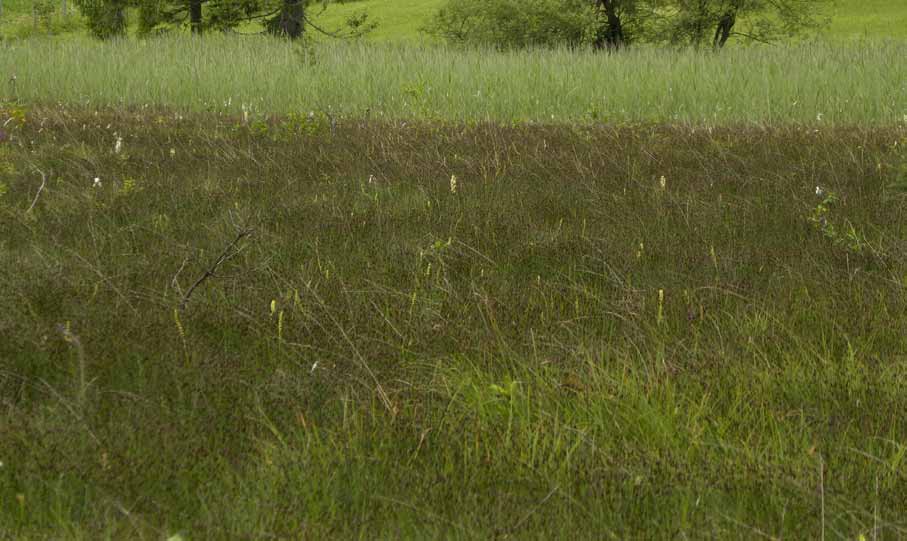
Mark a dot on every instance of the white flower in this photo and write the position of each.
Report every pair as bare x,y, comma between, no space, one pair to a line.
97,182
819,191
172,152
819,117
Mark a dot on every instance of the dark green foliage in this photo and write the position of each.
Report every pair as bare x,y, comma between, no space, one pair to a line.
510,24
613,24
105,18
283,18
714,22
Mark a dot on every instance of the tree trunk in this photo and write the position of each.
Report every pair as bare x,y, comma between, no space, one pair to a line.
290,22
119,19
610,33
723,29
195,16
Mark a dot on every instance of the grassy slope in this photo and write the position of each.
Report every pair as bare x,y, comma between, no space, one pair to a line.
397,20
868,18
560,345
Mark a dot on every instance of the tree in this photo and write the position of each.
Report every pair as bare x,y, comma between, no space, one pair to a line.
195,16
289,21
622,22
714,22
514,24
610,31
106,18
288,18
603,24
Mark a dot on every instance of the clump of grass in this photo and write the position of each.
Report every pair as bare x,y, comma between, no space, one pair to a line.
555,340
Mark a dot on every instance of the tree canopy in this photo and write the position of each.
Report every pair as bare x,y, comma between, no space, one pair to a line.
289,18
614,24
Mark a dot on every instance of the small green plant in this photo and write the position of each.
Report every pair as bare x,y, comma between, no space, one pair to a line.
847,237
434,253
12,116
128,187
298,124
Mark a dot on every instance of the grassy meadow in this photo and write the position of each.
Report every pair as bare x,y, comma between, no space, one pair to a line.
252,290
306,329
819,84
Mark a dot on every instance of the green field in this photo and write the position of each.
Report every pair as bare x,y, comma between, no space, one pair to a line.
254,289
867,19
421,331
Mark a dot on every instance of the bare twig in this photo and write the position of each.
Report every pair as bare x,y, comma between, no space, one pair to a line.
174,282
40,189
226,254
533,510
875,513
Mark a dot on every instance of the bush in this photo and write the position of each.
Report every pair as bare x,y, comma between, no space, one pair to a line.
514,24
106,18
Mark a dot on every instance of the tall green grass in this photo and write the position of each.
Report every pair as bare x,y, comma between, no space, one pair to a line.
812,83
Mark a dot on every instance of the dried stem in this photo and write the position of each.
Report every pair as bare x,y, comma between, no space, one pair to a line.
226,254
40,189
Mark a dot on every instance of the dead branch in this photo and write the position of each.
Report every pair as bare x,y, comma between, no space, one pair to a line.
40,189
226,254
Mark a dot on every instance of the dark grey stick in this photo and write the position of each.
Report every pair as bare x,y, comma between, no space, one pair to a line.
211,270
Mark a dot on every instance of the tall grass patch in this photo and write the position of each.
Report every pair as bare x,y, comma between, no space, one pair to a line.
811,83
